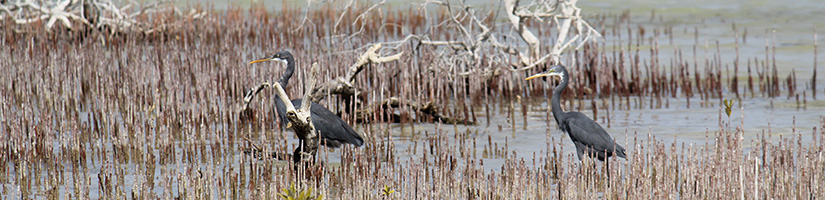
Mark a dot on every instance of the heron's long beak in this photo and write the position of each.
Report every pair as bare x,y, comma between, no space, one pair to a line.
535,76
260,60
543,74
550,72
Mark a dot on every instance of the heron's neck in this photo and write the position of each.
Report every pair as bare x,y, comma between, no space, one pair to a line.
555,101
290,68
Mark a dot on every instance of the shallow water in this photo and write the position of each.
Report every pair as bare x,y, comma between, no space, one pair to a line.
789,26
695,125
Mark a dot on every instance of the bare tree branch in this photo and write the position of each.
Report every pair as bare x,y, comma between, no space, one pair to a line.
92,13
528,37
306,17
343,85
564,14
300,120
428,108
251,94
475,34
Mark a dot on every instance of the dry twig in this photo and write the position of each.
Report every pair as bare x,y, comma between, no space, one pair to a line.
343,85
96,14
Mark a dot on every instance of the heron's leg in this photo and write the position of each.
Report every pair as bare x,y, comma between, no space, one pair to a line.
296,162
296,155
299,155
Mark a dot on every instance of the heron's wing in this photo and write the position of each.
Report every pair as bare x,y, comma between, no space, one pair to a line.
333,130
333,127
588,132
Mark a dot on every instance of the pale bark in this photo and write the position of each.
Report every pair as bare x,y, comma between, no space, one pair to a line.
300,120
343,85
92,13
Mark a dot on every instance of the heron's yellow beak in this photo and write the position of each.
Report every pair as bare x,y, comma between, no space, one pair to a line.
260,60
543,74
535,76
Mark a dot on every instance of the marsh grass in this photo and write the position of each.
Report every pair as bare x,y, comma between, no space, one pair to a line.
154,116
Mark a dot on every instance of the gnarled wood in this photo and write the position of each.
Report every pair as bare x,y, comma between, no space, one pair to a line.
343,85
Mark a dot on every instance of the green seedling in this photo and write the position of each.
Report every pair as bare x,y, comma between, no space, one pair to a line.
728,105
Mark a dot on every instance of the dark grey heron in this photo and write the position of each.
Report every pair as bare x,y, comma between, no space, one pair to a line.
587,135
334,132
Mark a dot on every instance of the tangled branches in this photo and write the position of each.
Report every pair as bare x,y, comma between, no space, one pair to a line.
476,34
98,14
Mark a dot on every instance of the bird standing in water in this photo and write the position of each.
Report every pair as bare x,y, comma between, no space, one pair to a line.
588,136
333,131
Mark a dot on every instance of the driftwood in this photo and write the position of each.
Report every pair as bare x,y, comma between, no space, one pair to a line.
300,120
475,33
245,113
428,108
247,98
564,14
258,152
343,85
91,13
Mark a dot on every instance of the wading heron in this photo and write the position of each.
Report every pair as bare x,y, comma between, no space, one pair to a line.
587,135
334,132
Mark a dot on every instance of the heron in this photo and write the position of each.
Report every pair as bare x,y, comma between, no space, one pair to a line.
333,130
588,136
